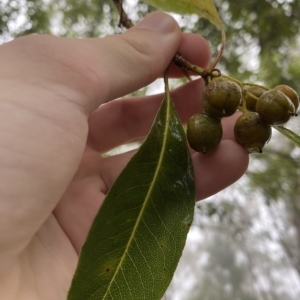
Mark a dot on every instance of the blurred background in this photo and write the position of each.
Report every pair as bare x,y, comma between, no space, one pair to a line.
245,241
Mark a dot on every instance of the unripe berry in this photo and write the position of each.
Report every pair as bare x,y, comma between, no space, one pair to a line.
251,132
288,91
250,101
221,97
204,133
274,107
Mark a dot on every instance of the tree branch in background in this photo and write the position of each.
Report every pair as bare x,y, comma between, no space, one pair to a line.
124,20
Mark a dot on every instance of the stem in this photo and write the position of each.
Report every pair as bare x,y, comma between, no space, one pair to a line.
124,19
166,80
244,105
252,96
219,56
181,62
178,60
235,80
257,85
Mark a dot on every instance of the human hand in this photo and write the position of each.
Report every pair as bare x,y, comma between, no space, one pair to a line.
53,178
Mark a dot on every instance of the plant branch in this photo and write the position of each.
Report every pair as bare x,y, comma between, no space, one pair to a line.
182,63
257,85
219,56
124,19
178,60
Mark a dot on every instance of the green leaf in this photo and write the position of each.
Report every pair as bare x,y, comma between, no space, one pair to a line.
292,136
203,8
138,235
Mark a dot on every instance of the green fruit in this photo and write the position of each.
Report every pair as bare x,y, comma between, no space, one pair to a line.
274,107
288,91
251,132
204,133
250,101
221,97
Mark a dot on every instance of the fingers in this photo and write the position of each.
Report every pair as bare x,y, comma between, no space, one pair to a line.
213,171
219,169
96,69
228,126
130,119
123,121
139,56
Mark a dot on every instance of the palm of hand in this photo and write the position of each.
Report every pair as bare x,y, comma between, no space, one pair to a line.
45,269
50,259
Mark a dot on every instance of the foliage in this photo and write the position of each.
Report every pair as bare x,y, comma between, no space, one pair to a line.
139,233
202,8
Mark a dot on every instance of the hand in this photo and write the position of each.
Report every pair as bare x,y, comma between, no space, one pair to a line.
52,176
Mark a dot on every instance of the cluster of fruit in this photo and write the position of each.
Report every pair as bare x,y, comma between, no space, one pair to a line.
261,108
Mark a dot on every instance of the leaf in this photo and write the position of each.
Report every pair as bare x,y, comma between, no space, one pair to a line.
203,8
292,136
138,235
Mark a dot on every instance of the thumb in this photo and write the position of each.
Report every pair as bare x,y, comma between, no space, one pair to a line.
127,62
98,70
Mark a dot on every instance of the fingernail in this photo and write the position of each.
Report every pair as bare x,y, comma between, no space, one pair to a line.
159,22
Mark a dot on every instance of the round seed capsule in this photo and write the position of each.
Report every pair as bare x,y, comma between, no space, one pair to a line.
221,97
288,91
250,101
251,132
274,107
204,133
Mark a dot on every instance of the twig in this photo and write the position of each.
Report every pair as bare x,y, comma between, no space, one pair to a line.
178,60
124,20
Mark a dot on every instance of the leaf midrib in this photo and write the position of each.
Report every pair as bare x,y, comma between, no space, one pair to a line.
146,198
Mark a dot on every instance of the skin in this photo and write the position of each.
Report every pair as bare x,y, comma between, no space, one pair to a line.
53,178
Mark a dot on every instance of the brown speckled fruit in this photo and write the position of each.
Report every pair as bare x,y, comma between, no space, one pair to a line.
274,107
288,91
250,101
204,133
251,132
221,97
